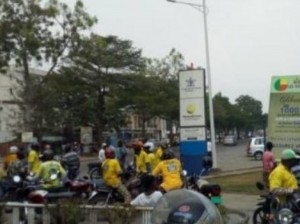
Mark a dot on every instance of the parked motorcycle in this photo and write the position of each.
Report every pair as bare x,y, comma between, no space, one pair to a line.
271,211
210,190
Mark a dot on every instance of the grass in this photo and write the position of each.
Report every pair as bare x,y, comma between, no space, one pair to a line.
239,183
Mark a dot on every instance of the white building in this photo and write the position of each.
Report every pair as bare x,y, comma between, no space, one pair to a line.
10,85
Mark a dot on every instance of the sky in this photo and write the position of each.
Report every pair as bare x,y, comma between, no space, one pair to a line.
249,40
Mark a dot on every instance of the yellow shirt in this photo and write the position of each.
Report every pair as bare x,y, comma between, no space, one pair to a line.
171,172
9,158
111,170
151,160
33,158
140,162
282,177
158,155
46,169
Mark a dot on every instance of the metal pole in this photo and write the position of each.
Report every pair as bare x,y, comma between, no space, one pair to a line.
210,101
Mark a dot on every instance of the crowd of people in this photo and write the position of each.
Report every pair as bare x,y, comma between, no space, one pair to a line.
149,162
157,167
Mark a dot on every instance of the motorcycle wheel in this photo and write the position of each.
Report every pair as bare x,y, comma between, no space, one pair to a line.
95,174
98,200
259,217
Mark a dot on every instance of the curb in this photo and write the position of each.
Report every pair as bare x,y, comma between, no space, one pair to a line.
220,173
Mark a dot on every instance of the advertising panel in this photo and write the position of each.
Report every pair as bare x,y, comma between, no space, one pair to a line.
191,84
192,112
192,134
86,135
284,113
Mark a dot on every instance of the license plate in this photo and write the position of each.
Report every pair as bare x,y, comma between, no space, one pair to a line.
216,200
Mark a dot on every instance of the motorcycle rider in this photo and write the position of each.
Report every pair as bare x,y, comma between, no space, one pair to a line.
50,172
282,181
33,158
71,162
111,172
170,169
18,167
140,157
10,157
150,159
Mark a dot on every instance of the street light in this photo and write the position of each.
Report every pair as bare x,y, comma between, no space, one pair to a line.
202,8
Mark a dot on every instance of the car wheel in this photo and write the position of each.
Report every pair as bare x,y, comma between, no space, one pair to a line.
258,156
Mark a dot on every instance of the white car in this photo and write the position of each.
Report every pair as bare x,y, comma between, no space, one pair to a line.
255,147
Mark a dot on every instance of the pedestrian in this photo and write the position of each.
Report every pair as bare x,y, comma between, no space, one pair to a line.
101,154
121,153
268,162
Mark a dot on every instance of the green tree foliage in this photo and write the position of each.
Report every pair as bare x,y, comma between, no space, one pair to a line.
251,110
38,32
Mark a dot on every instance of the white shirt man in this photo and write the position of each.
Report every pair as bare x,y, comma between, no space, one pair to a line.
146,200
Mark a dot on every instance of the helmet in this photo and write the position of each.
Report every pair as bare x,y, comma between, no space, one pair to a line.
13,149
149,146
137,144
48,154
185,207
35,146
167,154
110,153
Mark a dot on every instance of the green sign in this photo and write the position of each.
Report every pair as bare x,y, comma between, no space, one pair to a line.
285,84
284,113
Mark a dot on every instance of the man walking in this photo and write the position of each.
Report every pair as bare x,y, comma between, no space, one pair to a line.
268,161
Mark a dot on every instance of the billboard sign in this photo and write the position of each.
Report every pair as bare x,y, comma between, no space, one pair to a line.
284,112
192,96
192,134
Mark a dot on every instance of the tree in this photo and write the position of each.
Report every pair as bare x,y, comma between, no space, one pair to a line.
251,111
101,62
32,32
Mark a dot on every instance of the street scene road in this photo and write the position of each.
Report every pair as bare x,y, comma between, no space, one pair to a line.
231,159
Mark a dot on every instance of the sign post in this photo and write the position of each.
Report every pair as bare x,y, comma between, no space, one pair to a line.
192,119
284,113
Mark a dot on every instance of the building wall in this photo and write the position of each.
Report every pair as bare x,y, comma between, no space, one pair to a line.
10,113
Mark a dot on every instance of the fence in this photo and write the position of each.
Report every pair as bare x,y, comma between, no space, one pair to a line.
39,213
93,214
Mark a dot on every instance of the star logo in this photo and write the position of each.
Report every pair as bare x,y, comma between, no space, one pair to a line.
190,82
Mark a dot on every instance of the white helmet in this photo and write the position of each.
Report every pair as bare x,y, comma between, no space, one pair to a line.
13,149
149,145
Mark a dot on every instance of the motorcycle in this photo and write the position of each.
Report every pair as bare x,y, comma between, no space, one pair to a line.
271,211
211,190
103,195
94,170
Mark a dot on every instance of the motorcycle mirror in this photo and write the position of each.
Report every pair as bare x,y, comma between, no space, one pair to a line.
184,173
16,179
53,176
260,186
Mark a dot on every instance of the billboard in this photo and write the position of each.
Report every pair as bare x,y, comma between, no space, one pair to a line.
284,112
192,96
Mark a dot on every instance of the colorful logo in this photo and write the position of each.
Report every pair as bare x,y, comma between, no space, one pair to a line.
191,108
281,84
